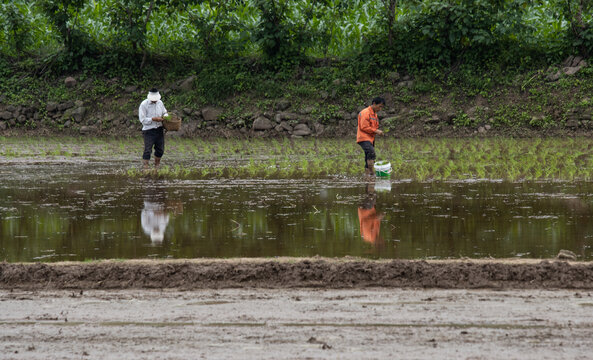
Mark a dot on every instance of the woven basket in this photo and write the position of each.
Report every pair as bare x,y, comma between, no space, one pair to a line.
173,123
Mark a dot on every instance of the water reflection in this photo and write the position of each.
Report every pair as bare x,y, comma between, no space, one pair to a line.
155,215
369,218
383,185
154,220
76,213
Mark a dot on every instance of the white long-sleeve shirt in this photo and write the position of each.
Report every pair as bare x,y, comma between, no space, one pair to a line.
148,110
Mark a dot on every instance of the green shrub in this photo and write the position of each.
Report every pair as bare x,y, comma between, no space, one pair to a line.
463,119
436,38
543,122
65,16
15,27
327,113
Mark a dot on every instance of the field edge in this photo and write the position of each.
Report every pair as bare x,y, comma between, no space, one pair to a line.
317,272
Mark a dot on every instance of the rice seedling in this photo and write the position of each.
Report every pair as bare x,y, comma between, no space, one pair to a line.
417,159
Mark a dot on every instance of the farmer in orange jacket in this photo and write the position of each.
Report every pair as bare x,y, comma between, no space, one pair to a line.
368,127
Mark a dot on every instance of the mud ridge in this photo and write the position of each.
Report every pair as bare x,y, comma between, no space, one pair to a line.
291,273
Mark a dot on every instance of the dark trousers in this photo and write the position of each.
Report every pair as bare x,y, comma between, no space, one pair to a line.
156,138
369,152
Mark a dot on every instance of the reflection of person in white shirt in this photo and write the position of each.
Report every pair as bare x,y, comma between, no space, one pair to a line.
154,221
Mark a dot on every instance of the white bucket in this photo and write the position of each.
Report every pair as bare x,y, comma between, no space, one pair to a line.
383,168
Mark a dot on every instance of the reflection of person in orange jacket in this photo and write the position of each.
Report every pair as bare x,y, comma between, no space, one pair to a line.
368,127
370,220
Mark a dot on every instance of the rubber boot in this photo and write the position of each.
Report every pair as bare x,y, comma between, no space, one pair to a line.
157,162
371,169
145,165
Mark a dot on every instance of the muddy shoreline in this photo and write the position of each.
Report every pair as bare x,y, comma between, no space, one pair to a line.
298,273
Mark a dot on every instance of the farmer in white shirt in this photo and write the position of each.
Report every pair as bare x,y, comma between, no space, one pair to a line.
151,113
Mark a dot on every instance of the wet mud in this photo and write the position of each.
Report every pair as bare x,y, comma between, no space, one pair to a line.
315,308
296,273
370,323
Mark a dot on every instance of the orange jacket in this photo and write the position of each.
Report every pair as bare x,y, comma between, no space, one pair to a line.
368,123
370,224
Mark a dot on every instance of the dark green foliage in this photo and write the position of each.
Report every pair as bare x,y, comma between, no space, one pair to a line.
64,14
215,26
273,33
437,38
4,67
283,41
129,18
220,82
441,34
113,64
578,13
16,26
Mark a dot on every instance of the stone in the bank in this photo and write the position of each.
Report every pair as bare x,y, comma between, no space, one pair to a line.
262,123
301,130
211,114
187,84
70,82
282,105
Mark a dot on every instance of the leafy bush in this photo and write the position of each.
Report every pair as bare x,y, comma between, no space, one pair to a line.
64,15
371,37
463,119
543,122
220,81
15,27
273,32
578,13
327,113
447,33
216,22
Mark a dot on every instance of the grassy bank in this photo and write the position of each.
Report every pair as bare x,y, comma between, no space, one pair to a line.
325,98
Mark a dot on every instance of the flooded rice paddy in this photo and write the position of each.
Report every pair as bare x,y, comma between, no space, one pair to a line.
84,210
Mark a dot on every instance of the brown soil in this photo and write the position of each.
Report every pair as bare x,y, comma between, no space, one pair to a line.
295,273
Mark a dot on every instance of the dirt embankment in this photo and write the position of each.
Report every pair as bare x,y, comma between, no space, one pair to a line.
291,273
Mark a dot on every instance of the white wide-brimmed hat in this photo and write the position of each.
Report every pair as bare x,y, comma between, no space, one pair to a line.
153,95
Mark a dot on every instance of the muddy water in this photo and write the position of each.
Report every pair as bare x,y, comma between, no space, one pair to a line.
83,211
